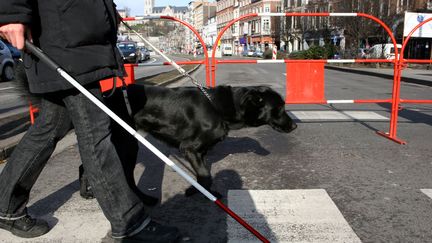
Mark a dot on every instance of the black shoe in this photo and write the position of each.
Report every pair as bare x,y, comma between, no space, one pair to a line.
154,233
25,227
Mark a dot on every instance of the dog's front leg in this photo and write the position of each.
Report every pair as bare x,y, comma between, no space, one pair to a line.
201,171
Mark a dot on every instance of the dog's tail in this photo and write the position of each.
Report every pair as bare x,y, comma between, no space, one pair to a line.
21,85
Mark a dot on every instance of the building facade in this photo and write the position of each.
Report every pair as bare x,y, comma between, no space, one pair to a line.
202,12
260,31
148,6
250,33
174,11
224,14
210,32
347,33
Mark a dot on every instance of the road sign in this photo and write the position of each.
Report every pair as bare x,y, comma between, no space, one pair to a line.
413,19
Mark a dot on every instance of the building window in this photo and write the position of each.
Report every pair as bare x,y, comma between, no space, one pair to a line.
266,25
279,9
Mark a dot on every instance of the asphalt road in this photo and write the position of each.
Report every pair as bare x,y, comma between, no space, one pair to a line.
142,72
331,180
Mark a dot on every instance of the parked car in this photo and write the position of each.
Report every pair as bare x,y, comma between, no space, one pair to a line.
16,54
251,52
227,50
362,53
145,54
151,52
258,53
131,52
7,63
386,50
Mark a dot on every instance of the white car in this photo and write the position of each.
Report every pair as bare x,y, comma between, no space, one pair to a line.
227,50
7,63
251,52
383,50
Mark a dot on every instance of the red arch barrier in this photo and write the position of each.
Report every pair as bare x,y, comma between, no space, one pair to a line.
206,57
397,67
398,62
401,63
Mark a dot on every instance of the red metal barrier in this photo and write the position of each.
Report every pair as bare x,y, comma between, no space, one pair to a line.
401,64
32,111
107,84
395,101
299,91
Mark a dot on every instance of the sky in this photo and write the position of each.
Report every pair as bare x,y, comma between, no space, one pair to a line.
137,6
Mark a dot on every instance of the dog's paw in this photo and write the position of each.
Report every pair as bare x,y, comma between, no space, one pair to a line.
87,193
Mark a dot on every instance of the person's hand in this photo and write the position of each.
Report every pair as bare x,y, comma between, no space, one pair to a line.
14,34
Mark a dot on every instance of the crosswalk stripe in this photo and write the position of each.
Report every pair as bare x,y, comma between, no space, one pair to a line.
288,216
428,192
336,115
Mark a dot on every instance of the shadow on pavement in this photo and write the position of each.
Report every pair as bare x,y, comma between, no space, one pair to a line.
421,115
197,216
47,206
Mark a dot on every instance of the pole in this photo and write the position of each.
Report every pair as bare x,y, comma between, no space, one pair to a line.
44,58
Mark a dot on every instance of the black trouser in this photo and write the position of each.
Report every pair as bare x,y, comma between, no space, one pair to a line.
58,110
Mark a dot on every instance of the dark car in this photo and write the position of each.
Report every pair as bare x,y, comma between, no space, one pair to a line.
7,64
131,52
16,54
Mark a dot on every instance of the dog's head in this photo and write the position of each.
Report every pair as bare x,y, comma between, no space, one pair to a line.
262,105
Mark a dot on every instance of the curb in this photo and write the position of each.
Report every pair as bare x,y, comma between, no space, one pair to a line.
6,151
381,75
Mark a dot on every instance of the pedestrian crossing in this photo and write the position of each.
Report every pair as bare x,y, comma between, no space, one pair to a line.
302,215
428,192
288,216
337,115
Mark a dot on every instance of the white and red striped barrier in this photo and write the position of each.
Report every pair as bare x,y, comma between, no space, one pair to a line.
398,65
241,61
154,64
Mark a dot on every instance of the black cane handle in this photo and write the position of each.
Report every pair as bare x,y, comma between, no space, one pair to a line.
39,54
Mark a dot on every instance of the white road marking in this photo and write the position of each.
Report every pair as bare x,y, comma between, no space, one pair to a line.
337,115
7,88
428,192
288,216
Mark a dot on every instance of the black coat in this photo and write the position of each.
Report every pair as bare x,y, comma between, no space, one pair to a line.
80,35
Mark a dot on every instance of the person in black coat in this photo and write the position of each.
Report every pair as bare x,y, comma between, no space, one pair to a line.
81,37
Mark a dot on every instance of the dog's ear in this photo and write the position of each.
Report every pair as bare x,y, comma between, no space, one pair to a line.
252,98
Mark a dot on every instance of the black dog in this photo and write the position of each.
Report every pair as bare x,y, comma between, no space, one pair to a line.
186,119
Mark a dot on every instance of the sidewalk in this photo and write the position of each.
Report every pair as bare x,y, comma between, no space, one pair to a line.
409,75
